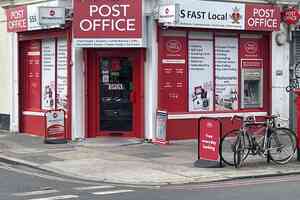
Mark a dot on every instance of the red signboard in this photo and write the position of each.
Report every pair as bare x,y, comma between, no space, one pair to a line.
291,15
172,74
209,139
108,19
17,19
262,17
251,48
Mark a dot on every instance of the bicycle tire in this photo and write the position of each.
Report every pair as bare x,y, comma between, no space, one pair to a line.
241,149
227,145
279,137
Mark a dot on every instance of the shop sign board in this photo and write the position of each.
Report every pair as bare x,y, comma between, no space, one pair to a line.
167,14
108,23
206,14
26,17
16,19
224,15
262,17
52,15
209,139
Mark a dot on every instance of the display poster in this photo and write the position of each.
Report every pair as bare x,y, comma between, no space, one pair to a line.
226,62
62,73
209,139
172,75
48,74
200,75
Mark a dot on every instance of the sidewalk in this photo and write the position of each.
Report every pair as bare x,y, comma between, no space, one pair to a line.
127,161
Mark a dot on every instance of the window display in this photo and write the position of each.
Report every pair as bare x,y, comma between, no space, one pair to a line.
225,72
54,74
200,75
48,74
226,66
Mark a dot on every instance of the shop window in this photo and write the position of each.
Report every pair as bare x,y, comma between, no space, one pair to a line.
45,74
221,72
54,74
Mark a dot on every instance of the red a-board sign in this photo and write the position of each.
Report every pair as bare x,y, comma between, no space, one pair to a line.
17,19
108,19
209,139
262,17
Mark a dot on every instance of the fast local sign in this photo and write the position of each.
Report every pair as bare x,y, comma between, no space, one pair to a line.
106,23
222,15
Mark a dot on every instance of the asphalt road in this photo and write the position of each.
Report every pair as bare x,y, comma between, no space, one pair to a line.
20,183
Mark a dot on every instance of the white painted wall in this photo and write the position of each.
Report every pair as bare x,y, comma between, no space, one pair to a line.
78,94
5,57
280,62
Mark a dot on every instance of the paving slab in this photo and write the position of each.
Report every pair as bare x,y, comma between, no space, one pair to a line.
128,161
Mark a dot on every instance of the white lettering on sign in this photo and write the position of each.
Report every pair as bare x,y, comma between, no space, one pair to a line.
262,22
111,18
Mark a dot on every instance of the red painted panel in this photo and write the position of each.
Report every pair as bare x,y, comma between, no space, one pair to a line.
173,74
179,129
33,125
32,76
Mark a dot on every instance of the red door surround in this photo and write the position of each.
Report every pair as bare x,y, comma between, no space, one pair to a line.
96,116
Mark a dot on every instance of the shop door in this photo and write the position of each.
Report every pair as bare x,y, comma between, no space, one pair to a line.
114,91
116,94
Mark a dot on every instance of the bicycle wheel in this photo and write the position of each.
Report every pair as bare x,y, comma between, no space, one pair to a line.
241,149
282,145
227,145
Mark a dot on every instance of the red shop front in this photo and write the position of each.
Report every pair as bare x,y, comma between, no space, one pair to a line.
215,66
110,36
43,66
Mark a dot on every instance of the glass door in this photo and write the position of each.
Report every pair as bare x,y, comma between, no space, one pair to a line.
115,95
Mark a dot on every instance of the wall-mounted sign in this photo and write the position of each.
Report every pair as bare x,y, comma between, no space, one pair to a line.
167,14
291,15
223,15
262,17
26,18
108,23
207,14
16,19
52,15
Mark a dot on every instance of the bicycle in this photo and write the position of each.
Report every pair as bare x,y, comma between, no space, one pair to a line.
258,138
